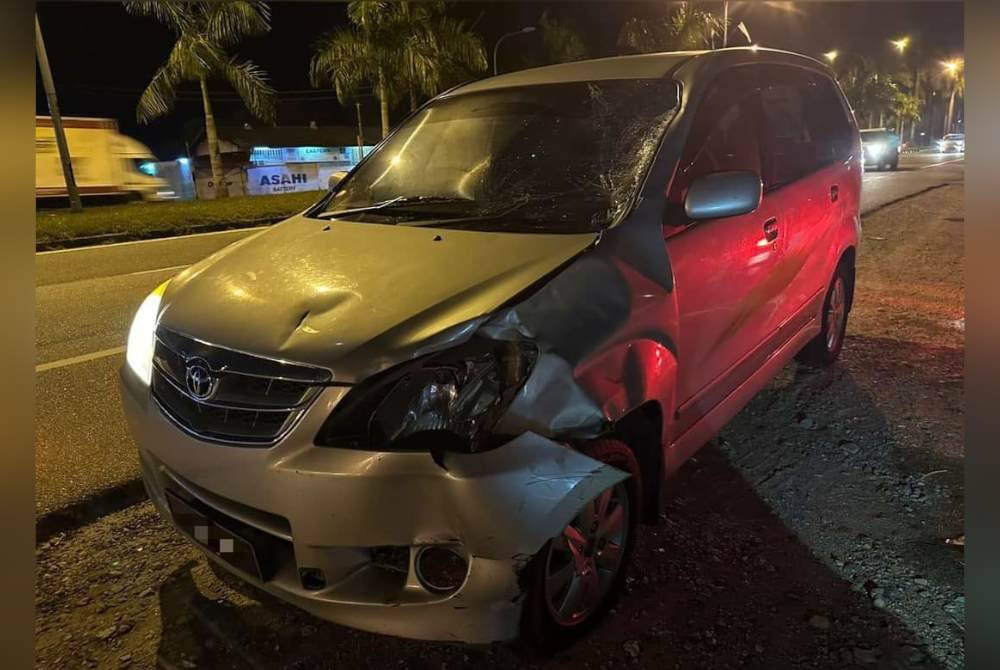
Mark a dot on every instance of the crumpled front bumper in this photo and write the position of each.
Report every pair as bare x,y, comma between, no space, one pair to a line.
332,509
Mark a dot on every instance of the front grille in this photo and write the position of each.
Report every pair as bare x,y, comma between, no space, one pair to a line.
253,401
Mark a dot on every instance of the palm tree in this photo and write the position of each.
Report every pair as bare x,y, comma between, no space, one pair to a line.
402,48
562,43
204,31
686,28
869,92
905,107
954,75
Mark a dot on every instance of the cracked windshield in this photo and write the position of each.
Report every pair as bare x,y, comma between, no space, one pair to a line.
559,158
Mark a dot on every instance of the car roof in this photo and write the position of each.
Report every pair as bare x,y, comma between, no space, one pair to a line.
638,66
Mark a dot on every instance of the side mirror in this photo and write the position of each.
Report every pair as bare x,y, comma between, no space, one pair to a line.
722,194
336,177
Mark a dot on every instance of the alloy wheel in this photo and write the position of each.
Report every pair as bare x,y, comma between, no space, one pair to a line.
835,313
583,561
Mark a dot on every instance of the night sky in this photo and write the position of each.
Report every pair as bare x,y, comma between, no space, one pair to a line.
102,57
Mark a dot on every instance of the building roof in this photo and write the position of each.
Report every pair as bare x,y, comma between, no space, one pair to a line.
240,138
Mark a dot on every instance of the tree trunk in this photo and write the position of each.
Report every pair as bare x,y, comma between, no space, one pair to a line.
951,110
383,104
413,99
916,94
214,158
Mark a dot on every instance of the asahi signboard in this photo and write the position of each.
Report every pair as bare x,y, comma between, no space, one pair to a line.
283,179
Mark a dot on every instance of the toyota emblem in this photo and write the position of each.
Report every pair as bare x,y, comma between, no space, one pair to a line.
199,380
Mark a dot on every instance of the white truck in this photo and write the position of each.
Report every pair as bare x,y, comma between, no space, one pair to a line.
105,162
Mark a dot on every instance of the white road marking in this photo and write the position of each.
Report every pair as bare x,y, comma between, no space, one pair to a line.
155,239
83,358
956,160
146,272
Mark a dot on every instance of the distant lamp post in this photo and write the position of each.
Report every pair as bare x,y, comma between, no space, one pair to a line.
831,56
901,44
522,31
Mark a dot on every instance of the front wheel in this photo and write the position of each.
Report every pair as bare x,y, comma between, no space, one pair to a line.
824,349
579,574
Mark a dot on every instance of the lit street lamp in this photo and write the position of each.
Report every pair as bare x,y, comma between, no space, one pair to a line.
831,56
953,69
901,44
522,31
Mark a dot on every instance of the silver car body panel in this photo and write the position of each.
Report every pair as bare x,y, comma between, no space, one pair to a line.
358,299
336,504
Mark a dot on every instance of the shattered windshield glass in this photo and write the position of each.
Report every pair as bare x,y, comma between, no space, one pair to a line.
549,158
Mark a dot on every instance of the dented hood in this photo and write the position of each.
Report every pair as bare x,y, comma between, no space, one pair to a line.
357,297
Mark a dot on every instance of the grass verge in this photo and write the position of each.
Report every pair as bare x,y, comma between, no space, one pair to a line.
154,219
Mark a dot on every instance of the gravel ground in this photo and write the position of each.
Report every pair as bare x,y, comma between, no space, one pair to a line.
811,534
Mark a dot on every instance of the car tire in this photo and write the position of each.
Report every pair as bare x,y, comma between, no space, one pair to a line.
543,632
824,349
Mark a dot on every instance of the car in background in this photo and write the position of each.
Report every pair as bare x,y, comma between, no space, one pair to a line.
952,143
881,148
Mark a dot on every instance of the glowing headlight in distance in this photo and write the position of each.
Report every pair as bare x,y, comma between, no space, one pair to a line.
875,148
139,350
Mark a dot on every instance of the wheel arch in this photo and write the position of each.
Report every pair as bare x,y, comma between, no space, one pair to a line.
641,430
849,259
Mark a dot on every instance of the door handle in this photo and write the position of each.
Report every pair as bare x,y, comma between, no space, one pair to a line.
771,229
834,193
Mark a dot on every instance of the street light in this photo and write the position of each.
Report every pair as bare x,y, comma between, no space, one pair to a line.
901,43
952,68
522,31
831,55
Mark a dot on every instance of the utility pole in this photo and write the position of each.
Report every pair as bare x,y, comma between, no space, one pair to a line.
57,128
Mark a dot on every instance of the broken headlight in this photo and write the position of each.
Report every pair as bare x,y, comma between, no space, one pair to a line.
454,397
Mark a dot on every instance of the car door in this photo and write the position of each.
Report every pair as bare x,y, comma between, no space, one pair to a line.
807,144
723,268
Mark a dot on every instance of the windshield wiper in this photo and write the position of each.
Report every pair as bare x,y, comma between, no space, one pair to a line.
393,202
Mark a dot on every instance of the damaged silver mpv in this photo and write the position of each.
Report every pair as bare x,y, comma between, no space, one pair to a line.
438,403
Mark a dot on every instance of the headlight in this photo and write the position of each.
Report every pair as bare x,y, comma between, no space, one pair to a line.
876,148
139,350
455,397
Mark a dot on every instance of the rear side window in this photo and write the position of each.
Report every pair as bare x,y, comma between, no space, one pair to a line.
806,126
724,135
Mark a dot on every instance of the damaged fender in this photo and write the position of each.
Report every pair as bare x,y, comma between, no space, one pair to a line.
520,495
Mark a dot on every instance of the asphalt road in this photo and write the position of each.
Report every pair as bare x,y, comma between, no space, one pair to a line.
84,302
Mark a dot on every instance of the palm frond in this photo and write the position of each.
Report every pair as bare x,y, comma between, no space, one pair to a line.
173,13
194,56
227,22
345,60
372,15
562,42
250,82
159,96
639,35
456,45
